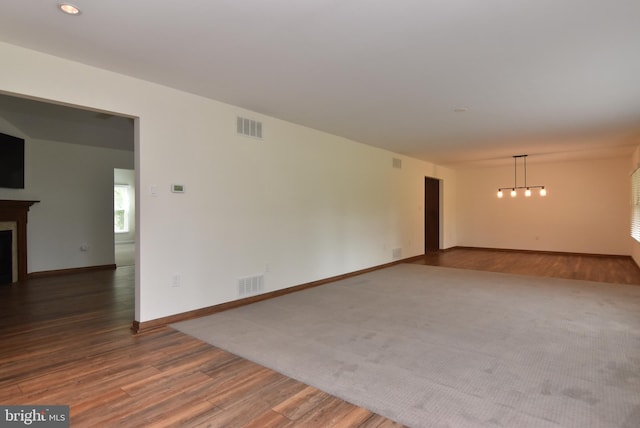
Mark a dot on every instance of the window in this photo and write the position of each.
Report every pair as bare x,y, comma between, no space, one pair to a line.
635,205
121,208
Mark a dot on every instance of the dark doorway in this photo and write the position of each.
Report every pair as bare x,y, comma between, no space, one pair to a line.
431,214
6,257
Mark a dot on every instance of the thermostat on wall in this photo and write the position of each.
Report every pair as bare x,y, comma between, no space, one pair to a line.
177,188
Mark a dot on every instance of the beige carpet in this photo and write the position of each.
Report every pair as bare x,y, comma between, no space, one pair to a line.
439,347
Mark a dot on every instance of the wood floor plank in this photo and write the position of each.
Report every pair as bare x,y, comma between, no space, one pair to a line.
301,403
340,415
236,389
139,410
68,375
9,392
239,416
166,381
182,417
200,358
327,413
269,419
96,402
260,399
377,421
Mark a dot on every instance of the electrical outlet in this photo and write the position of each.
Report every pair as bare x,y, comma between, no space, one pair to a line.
175,280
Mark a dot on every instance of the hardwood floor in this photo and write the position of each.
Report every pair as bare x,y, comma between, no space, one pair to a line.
613,269
66,340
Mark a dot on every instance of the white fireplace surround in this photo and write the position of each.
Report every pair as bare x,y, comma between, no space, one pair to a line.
13,227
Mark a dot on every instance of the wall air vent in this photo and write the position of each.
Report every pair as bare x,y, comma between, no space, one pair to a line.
397,163
249,127
396,253
251,285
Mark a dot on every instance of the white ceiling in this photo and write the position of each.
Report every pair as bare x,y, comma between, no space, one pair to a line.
53,122
553,78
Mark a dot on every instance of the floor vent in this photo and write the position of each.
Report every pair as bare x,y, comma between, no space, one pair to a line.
250,285
397,163
249,127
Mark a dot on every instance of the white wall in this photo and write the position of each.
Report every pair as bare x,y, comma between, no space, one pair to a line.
307,204
586,209
74,186
635,164
127,177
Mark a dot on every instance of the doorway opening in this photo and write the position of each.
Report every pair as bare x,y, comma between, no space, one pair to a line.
431,215
6,257
124,216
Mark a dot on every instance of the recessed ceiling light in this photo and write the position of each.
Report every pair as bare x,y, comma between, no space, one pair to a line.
69,9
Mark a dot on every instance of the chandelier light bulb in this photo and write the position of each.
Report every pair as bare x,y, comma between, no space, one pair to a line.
499,193
543,192
527,192
513,193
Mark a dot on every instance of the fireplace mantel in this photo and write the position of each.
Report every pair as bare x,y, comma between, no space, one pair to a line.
16,211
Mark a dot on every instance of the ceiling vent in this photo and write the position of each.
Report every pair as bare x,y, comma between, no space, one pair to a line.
397,163
249,127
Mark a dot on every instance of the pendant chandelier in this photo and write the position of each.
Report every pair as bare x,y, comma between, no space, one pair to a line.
514,189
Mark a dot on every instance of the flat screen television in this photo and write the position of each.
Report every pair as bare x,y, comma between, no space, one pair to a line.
11,162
